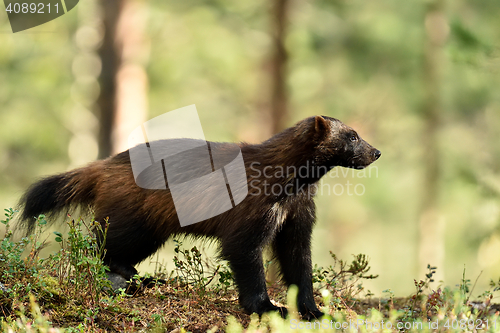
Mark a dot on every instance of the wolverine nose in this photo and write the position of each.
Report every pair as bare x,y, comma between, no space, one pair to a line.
377,154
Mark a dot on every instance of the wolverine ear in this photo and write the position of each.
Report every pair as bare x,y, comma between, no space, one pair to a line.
321,127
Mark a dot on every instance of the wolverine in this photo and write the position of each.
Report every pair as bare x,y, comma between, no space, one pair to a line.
142,218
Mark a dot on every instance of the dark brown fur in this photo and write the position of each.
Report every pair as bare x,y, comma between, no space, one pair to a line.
140,220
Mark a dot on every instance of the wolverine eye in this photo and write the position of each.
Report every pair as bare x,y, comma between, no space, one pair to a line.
354,138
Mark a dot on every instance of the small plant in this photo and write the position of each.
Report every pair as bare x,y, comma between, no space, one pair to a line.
36,322
495,286
12,262
341,278
72,279
192,270
390,293
189,267
226,278
437,300
79,262
464,286
416,299
487,295
20,274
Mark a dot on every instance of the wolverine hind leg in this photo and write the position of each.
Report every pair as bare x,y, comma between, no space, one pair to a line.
127,243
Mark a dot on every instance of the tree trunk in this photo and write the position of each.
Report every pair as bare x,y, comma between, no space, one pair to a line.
122,102
131,78
279,96
110,54
431,242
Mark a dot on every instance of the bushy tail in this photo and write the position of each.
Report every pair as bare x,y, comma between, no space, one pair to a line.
52,195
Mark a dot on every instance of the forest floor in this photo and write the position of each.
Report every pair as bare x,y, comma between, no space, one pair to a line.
69,291
170,307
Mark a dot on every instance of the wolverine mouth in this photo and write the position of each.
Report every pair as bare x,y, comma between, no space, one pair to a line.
357,161
358,166
360,161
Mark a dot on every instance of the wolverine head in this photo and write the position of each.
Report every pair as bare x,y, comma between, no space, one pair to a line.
340,145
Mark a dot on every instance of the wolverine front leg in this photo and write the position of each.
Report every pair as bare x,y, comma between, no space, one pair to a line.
292,247
245,261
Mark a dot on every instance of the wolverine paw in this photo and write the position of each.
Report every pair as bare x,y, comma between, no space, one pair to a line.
267,307
311,315
282,311
117,281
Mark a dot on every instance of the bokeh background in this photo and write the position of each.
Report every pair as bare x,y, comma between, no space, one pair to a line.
419,79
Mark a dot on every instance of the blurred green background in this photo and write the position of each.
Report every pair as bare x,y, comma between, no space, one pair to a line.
417,79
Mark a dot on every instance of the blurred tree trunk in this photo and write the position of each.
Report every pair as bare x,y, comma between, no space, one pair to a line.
131,78
431,242
123,81
109,52
279,96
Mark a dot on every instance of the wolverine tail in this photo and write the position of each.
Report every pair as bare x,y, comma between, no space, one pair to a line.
56,193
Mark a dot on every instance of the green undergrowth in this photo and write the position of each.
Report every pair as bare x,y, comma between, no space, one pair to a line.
69,291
